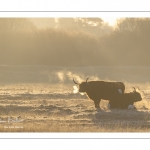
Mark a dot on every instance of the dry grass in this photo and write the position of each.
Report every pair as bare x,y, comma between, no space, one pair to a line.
49,127
49,111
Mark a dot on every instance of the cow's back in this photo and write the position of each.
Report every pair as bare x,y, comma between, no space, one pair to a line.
103,89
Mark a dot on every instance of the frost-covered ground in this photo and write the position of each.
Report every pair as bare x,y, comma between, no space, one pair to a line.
41,99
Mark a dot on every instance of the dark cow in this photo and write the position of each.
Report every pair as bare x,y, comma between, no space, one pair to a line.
97,90
122,101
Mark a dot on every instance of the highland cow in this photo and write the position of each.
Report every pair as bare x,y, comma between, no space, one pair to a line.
122,101
97,90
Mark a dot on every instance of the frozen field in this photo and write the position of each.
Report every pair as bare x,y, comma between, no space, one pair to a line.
41,99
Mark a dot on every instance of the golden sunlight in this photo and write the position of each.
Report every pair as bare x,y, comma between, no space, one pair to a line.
111,20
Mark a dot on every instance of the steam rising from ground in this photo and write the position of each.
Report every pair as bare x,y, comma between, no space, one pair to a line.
47,83
65,75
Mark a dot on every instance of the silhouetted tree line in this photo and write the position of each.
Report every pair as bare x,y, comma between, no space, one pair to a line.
129,43
21,43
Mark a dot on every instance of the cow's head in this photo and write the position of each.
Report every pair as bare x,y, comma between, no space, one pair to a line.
136,95
83,86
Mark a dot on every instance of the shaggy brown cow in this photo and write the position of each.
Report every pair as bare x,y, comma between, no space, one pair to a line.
122,101
97,90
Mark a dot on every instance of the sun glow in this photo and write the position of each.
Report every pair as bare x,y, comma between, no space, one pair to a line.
111,20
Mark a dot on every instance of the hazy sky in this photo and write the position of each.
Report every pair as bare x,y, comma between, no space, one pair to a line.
45,22
110,20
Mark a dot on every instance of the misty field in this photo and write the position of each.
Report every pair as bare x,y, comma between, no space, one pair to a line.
41,99
38,64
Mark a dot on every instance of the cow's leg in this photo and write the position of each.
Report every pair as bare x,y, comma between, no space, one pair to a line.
97,102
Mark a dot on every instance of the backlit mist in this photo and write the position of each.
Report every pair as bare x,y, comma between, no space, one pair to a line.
74,42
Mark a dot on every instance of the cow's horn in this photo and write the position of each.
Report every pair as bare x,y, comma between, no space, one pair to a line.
144,93
134,89
75,82
138,88
87,80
